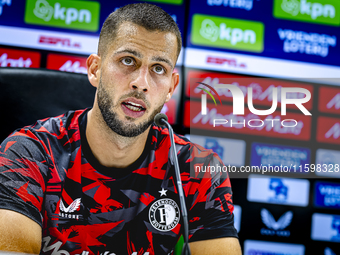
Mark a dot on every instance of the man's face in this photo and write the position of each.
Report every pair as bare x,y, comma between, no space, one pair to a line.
136,78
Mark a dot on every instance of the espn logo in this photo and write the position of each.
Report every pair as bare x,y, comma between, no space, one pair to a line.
64,42
228,61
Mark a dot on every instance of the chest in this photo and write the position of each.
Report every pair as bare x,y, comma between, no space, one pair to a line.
84,207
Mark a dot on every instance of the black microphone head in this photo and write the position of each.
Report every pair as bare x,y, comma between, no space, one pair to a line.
160,118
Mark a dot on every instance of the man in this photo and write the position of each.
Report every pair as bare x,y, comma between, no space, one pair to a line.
98,181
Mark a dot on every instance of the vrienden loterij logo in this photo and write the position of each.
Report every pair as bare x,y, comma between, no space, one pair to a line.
238,103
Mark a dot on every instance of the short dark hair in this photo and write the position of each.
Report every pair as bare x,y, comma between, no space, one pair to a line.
149,16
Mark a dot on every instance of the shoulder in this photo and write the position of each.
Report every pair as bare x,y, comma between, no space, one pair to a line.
44,134
54,126
58,124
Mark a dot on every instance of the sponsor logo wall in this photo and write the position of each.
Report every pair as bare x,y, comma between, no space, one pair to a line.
221,118
82,15
321,12
328,130
252,247
276,227
304,31
67,63
301,42
74,24
47,40
277,155
238,4
329,158
325,227
262,88
274,190
227,33
329,100
327,195
19,58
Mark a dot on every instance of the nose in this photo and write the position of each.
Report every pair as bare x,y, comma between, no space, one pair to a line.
142,80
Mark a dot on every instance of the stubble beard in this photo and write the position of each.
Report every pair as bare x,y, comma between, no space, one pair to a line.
111,117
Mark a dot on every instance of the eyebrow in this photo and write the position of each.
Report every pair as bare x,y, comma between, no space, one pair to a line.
160,59
138,55
133,52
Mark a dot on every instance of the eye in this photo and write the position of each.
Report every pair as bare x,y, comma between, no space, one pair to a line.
159,69
128,61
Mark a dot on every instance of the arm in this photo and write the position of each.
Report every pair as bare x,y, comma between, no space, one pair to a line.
219,246
211,210
18,233
22,182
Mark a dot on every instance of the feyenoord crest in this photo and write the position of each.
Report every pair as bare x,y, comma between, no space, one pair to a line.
164,214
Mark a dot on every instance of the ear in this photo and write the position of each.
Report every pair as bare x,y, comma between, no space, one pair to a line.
93,63
174,84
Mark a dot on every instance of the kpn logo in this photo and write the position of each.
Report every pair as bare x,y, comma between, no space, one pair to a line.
314,11
227,33
81,15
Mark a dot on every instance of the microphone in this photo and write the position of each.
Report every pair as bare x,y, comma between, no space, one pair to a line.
162,120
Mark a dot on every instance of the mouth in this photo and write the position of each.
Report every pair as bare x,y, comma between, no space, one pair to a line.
133,107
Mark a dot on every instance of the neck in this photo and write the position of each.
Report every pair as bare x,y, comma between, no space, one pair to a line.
109,148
